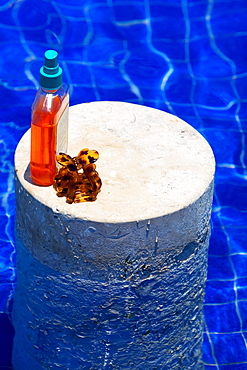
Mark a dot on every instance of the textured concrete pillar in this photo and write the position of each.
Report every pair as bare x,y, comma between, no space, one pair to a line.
117,283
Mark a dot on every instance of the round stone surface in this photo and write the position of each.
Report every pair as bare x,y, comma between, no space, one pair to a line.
151,163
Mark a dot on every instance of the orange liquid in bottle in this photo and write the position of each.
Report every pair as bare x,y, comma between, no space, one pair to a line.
46,112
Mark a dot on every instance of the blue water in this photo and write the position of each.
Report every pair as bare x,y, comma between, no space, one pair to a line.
186,57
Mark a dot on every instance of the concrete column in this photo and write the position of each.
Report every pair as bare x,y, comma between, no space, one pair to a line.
117,283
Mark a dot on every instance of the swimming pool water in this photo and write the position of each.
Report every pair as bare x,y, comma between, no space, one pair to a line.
187,57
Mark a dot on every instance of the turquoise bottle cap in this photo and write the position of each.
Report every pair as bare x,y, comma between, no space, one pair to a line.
51,73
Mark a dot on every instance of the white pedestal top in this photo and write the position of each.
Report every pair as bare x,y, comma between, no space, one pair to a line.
151,163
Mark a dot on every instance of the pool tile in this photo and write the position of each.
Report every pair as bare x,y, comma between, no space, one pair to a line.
14,60
234,45
220,20
219,268
235,366
221,318
168,27
125,33
216,218
213,93
219,123
227,194
162,9
151,68
11,132
6,276
80,73
218,292
243,312
242,295
227,112
240,264
238,239
198,28
185,112
231,217
73,53
112,53
83,94
204,58
3,223
121,13
102,75
230,148
240,83
243,113
218,242
3,184
72,10
42,24
174,49
207,351
33,17
5,289
197,10
116,94
76,31
73,4
98,16
7,17
179,88
229,348
221,8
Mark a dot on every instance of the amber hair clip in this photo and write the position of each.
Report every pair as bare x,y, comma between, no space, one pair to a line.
76,186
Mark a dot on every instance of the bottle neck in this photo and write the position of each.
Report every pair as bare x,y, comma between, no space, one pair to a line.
49,91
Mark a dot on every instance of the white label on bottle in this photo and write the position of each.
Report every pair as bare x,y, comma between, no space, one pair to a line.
62,132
